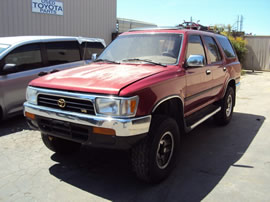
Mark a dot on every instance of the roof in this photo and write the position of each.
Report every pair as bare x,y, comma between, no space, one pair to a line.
176,29
155,28
23,39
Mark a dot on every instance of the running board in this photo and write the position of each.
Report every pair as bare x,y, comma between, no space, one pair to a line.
189,128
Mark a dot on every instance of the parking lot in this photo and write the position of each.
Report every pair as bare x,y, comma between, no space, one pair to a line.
230,163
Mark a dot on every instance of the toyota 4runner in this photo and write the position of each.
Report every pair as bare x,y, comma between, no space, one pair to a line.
146,89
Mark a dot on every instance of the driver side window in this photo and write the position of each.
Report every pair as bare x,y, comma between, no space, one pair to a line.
195,46
24,58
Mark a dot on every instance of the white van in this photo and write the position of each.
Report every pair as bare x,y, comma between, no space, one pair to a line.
24,58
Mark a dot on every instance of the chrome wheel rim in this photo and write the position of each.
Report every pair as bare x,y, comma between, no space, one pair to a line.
165,150
229,105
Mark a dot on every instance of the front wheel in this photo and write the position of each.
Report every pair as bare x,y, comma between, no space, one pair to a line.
59,145
154,158
224,116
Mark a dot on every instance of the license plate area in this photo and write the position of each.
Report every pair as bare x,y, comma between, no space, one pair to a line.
75,132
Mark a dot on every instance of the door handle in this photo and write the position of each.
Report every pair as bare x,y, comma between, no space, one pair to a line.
224,69
54,70
42,73
208,71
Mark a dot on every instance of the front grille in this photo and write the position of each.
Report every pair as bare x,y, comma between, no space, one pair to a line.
76,132
72,104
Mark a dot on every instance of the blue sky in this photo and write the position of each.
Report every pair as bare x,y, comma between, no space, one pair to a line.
256,13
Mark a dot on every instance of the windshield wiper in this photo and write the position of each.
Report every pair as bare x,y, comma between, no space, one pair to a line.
108,61
145,60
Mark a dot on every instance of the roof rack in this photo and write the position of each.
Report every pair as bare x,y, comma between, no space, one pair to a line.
156,28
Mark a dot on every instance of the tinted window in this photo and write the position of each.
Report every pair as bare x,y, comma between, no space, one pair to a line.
91,47
195,46
212,49
25,58
226,46
62,52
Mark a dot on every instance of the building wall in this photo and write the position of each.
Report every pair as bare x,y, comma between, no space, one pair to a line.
89,18
258,56
127,24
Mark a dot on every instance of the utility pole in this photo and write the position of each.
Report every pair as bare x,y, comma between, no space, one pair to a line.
237,23
241,23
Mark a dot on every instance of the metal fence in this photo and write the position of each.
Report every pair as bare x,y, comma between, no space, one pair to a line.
258,56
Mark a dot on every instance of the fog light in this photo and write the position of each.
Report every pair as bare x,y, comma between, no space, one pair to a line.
103,131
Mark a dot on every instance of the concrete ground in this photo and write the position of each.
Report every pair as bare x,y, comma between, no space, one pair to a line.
230,163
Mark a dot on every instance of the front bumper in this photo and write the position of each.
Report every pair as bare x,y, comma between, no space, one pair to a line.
237,86
122,127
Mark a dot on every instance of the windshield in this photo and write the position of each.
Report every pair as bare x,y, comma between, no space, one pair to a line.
158,48
3,47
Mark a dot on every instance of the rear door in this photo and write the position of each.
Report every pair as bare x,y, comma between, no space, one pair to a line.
215,62
198,79
13,82
60,55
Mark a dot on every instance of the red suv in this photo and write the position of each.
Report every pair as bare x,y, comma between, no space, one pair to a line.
147,88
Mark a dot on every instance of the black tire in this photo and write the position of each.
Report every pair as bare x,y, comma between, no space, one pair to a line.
146,162
224,116
59,145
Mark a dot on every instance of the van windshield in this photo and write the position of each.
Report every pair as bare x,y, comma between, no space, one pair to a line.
160,48
3,47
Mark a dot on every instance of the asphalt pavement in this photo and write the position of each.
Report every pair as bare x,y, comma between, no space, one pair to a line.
230,163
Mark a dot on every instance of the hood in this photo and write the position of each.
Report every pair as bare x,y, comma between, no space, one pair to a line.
97,78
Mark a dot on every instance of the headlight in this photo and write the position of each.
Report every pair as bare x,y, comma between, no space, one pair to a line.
31,95
117,106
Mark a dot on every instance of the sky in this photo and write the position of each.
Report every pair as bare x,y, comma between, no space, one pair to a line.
256,13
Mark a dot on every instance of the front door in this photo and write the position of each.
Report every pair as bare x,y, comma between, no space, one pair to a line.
13,81
198,79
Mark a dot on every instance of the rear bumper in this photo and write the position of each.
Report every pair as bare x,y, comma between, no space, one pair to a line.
60,123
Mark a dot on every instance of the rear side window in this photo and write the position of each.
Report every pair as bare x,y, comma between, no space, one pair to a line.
212,49
24,58
90,48
62,52
195,46
226,46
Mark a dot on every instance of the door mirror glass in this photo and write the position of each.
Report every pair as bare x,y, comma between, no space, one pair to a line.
94,56
195,61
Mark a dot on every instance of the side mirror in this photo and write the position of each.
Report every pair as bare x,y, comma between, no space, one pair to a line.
94,56
9,67
195,61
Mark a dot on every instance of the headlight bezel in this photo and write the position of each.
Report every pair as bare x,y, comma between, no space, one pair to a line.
31,95
121,102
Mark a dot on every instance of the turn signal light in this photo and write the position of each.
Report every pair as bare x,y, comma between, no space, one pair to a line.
30,116
103,131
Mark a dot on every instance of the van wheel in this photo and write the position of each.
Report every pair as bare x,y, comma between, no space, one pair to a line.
154,157
59,145
224,116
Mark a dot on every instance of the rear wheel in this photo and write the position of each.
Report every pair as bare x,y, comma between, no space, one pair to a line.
227,104
154,158
59,145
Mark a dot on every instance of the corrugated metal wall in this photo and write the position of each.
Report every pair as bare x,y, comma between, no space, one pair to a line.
89,18
127,24
258,56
